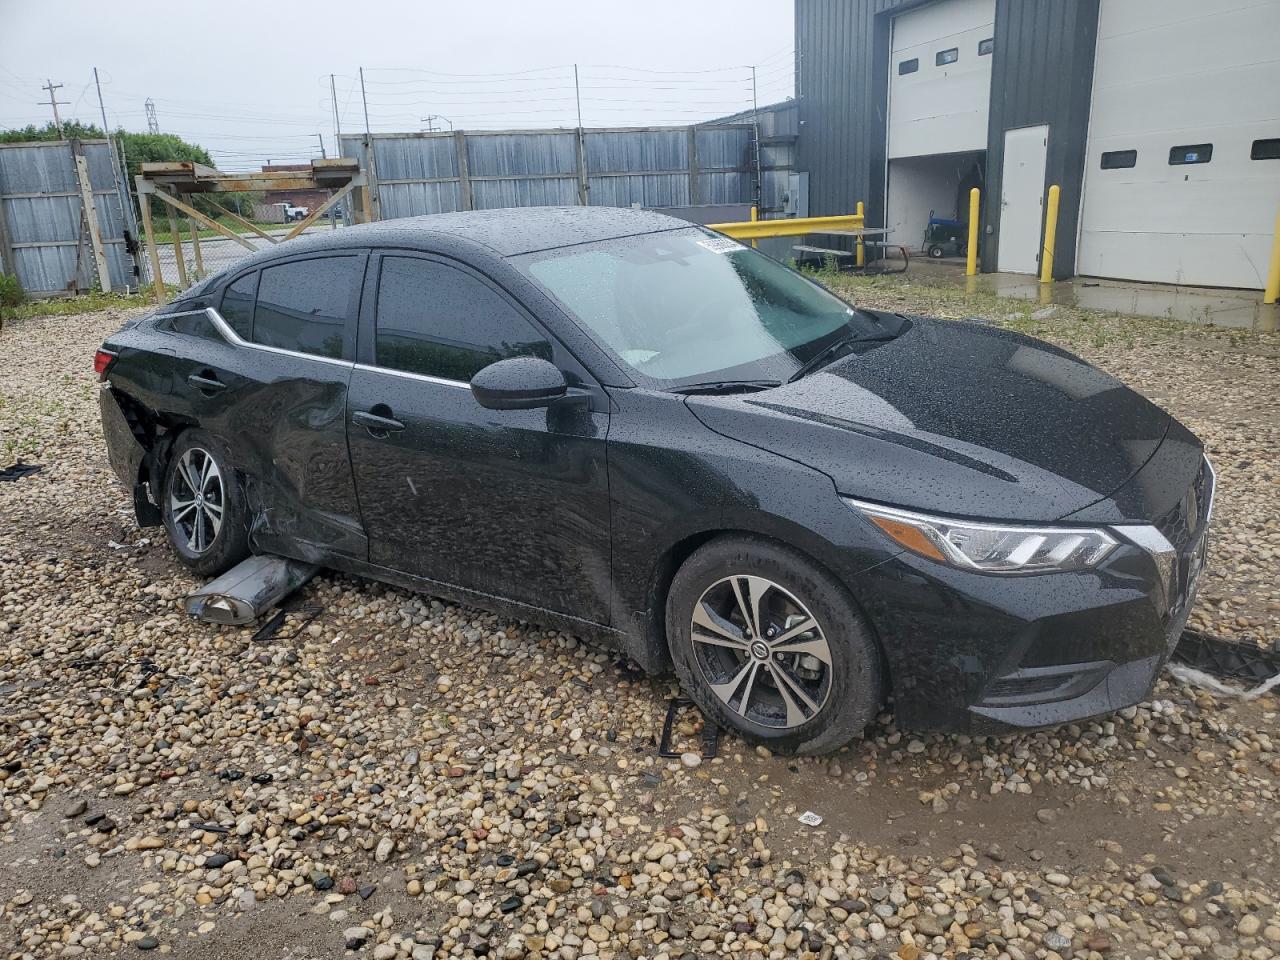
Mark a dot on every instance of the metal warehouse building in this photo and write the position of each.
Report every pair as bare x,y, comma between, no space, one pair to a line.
1159,120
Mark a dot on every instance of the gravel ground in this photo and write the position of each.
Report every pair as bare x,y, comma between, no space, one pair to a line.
407,778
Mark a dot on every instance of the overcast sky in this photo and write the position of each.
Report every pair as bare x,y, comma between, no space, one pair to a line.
250,80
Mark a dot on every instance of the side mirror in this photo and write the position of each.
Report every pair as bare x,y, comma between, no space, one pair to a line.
519,383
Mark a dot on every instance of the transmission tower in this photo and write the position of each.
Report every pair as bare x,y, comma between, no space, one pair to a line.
153,125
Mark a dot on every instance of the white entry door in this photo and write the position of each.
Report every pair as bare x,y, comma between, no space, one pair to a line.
1022,188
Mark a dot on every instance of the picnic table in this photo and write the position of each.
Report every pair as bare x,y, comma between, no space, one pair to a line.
861,233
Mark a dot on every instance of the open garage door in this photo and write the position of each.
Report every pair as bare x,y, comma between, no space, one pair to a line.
1182,175
939,103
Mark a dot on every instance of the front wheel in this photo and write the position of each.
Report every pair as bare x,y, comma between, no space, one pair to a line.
771,646
203,506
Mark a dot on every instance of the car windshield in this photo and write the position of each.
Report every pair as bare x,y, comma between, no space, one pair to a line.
690,306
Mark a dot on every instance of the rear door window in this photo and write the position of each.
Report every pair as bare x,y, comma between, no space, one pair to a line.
439,321
237,304
304,305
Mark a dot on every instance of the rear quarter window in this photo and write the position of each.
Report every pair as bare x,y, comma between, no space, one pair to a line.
237,304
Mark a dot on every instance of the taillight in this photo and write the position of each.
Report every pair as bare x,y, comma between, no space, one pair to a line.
102,361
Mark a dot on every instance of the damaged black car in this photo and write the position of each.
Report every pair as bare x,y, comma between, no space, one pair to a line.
643,432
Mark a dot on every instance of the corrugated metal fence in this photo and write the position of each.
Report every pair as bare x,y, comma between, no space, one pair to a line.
44,236
420,173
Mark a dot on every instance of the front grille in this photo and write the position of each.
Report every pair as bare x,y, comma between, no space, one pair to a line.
1183,522
1184,526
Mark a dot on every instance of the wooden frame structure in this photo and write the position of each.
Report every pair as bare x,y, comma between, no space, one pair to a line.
172,182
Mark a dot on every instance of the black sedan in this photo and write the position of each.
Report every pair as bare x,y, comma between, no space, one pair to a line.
646,433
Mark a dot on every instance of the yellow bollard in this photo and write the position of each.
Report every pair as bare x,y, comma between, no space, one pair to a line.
971,264
1272,292
755,215
1050,234
861,256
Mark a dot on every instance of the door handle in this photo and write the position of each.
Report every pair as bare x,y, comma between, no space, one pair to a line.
378,426
207,382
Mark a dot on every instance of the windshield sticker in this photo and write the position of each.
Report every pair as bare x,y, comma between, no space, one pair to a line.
720,244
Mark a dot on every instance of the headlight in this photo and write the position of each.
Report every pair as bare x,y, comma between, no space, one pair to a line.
989,547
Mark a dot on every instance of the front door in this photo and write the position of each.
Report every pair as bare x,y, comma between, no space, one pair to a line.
1022,189
509,503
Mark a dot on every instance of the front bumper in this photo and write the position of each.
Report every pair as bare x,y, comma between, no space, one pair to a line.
990,654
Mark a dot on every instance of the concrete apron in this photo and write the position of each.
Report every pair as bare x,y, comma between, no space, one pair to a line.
1238,309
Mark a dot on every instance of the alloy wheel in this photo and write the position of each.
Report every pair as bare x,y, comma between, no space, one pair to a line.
761,651
197,499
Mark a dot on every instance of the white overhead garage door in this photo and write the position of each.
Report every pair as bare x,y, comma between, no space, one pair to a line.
940,78
1185,93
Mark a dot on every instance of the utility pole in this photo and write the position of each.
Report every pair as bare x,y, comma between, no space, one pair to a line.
337,124
755,130
583,185
323,155
118,168
153,124
101,106
365,101
577,95
55,103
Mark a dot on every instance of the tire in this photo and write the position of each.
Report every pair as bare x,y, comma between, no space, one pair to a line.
936,251
847,689
229,544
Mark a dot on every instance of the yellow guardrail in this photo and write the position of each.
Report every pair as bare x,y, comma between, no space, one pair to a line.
793,227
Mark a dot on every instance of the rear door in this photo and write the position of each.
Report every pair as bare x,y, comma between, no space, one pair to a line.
276,394
509,503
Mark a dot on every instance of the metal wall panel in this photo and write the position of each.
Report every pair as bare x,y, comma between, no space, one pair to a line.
1042,71
40,201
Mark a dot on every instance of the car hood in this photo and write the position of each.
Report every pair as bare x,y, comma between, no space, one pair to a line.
955,418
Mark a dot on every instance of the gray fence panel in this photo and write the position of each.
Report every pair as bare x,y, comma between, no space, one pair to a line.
45,269
723,148
38,168
651,190
43,219
40,197
415,158
519,154
418,174
416,199
724,187
542,192
665,151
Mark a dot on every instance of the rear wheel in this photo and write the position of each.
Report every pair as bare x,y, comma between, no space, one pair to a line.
203,505
771,646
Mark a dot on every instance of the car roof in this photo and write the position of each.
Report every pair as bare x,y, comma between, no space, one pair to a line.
506,232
